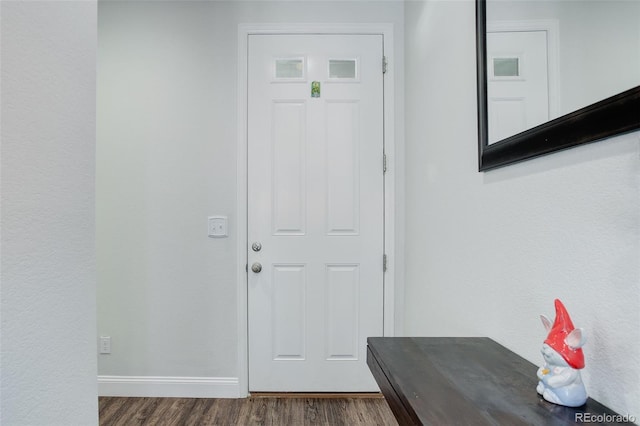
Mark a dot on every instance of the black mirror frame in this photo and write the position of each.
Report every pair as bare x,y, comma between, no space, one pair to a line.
612,116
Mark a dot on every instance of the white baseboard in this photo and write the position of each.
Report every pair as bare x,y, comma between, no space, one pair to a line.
169,387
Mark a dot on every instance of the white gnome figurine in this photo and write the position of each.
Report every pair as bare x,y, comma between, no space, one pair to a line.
560,380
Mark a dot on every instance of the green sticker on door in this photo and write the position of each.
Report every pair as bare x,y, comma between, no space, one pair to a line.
315,89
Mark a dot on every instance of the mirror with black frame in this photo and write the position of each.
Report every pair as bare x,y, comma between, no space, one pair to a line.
553,75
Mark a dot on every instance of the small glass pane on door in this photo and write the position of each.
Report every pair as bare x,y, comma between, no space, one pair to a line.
506,67
290,68
343,69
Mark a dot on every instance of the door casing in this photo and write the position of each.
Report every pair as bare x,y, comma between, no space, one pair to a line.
394,154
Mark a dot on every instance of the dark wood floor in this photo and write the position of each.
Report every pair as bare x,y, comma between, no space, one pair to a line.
274,411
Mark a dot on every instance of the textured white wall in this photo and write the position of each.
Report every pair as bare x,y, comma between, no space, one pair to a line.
488,252
48,289
166,159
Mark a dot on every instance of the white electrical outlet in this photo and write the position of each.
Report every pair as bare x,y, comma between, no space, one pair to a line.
105,344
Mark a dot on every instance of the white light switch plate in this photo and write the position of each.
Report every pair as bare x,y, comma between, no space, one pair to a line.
105,344
218,226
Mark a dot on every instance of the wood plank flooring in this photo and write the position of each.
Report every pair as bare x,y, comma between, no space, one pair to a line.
256,410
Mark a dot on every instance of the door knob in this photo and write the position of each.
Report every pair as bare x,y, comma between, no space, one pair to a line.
256,246
256,267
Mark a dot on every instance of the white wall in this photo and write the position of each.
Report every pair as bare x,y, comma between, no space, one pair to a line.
48,168
166,159
486,253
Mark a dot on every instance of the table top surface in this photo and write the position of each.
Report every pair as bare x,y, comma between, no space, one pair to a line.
468,380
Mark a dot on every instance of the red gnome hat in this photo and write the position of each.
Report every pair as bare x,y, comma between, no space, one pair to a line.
562,326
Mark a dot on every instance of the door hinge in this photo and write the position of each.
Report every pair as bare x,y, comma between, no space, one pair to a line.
384,263
384,64
384,163
246,267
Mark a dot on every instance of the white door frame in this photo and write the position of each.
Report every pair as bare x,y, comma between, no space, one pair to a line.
244,30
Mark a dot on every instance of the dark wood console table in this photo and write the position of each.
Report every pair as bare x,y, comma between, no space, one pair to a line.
464,381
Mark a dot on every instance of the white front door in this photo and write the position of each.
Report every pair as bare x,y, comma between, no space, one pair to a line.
315,210
517,85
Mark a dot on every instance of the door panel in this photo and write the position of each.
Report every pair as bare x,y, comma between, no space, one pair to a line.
288,302
316,204
343,198
289,168
342,311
